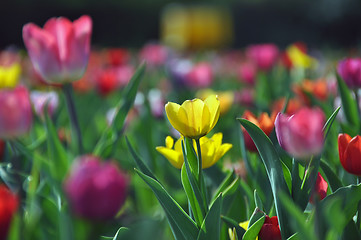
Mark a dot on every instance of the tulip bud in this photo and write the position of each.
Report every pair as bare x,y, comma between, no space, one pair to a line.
270,229
42,99
8,206
59,51
320,189
96,190
349,150
301,134
349,70
15,112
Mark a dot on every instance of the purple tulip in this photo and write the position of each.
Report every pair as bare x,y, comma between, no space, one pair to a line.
349,70
59,51
15,112
96,190
41,99
301,134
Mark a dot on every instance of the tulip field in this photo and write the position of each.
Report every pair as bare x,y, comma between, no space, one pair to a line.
111,143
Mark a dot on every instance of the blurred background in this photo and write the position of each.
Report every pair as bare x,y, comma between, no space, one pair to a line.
199,24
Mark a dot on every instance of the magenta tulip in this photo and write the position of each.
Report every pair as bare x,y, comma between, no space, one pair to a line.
301,134
15,112
349,70
59,51
96,190
263,55
200,76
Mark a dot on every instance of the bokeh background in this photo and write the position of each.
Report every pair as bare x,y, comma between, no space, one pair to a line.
132,23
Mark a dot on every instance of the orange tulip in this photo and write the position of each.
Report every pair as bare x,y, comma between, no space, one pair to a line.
349,150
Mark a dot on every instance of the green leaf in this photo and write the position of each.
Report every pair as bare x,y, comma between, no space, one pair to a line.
183,227
332,179
274,170
253,231
234,225
348,104
257,214
59,163
287,176
224,185
112,133
247,190
326,128
139,162
211,225
118,234
258,200
294,237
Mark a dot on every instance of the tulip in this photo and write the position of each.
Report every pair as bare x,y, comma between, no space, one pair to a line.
247,73
15,112
60,51
106,82
154,54
320,189
194,118
118,56
8,206
96,190
264,122
9,76
301,134
263,55
349,70
212,150
200,76
270,229
42,99
2,149
294,105
349,150
318,89
296,56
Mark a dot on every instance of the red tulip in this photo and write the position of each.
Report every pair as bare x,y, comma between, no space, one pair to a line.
301,134
59,51
270,229
2,149
320,188
15,112
8,206
349,70
349,150
96,190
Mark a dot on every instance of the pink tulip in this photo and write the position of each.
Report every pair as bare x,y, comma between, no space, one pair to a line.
59,51
15,112
201,75
263,55
41,99
349,70
247,73
301,134
154,54
96,190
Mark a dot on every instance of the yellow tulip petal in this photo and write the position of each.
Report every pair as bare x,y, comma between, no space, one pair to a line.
169,142
194,109
178,145
223,149
174,157
172,110
213,103
205,121
217,138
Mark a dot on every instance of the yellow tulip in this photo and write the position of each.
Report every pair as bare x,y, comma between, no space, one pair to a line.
174,155
212,150
194,118
226,98
243,225
9,76
299,58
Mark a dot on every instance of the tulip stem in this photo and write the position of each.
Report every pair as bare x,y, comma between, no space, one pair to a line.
199,154
68,92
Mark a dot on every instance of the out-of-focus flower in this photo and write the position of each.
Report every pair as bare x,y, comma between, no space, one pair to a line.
349,150
8,205
118,56
154,54
349,70
60,50
200,76
172,151
15,112
178,70
156,102
264,122
96,190
106,81
245,97
194,118
294,104
226,98
301,134
247,73
41,99
212,150
318,88
263,55
320,189
270,229
296,56
9,76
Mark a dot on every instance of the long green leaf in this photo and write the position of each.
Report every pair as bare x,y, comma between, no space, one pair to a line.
111,134
274,170
224,185
252,231
333,180
183,227
211,225
330,120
